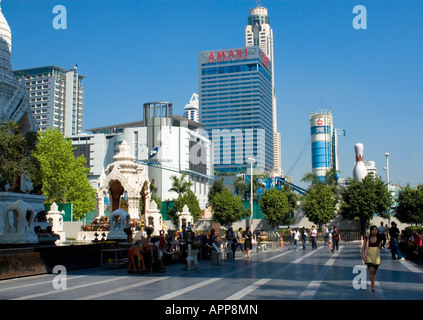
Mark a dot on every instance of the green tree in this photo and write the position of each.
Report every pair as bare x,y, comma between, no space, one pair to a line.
180,185
240,187
275,207
330,179
216,188
191,201
64,178
15,156
361,200
319,204
227,208
409,207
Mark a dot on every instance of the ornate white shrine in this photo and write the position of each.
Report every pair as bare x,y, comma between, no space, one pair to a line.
124,176
185,217
18,228
55,219
153,218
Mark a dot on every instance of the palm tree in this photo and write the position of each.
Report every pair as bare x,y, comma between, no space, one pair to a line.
179,185
330,179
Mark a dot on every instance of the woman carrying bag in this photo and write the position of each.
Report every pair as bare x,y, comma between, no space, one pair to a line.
370,253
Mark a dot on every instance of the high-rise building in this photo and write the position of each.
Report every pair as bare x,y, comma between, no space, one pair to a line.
56,96
14,104
236,107
259,33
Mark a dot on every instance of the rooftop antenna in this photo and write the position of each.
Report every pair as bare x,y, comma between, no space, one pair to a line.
258,3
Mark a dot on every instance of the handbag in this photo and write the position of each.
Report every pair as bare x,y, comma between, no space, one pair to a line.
366,249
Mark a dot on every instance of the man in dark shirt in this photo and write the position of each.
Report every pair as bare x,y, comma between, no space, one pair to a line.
394,234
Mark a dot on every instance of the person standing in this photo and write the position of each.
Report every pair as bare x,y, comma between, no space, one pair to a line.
313,236
231,238
370,253
394,234
239,239
336,237
304,237
295,237
326,235
248,244
382,234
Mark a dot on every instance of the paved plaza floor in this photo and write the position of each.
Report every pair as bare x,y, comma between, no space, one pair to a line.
281,274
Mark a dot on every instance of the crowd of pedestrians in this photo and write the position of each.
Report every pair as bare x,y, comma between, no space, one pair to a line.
331,237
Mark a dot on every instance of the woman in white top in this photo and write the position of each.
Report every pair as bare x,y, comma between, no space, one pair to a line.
295,236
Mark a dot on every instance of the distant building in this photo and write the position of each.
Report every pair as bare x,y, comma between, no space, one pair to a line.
191,109
259,33
167,144
236,107
56,96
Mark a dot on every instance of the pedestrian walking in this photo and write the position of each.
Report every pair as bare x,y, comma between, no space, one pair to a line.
382,231
336,237
231,241
370,253
304,237
239,239
248,244
295,237
326,235
394,242
313,236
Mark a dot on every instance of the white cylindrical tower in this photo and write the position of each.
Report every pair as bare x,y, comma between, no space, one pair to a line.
321,124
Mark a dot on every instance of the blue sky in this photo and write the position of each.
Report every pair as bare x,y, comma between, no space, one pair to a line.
136,51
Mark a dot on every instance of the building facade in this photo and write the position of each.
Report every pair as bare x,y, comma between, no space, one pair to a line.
166,144
235,90
56,96
259,33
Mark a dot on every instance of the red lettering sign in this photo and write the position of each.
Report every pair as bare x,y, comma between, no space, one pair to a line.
265,60
228,55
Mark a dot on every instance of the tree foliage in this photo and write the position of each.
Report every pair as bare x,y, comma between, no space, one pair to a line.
319,204
180,185
15,155
64,178
227,208
276,207
409,207
190,200
361,200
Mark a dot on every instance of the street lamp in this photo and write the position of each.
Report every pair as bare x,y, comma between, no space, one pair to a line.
251,161
387,168
387,180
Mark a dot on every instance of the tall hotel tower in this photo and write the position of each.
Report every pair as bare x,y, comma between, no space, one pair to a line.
259,33
236,107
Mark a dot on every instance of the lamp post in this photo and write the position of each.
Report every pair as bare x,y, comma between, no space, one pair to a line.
251,161
387,168
387,180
